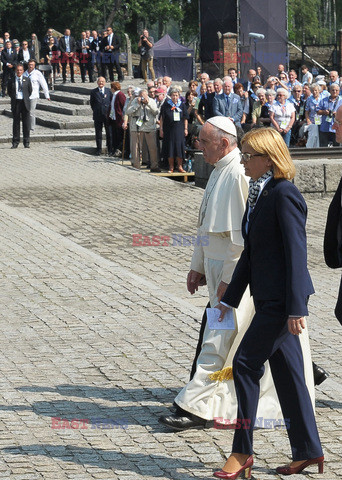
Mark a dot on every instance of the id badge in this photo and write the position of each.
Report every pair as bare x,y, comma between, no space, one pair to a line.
317,120
328,119
176,116
297,116
283,124
301,110
139,122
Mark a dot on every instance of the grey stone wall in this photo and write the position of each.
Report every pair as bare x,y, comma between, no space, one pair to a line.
319,177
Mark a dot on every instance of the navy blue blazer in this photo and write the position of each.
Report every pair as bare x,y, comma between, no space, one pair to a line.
100,105
274,260
234,110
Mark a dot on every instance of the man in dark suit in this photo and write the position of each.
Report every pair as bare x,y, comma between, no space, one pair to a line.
20,89
49,34
333,229
100,101
110,58
228,104
95,49
67,46
9,59
247,85
85,57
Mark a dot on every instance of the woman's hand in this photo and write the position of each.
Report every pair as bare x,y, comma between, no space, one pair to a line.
295,325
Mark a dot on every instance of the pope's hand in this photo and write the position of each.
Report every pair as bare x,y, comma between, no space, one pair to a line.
221,290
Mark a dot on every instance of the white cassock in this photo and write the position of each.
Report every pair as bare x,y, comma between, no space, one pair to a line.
220,218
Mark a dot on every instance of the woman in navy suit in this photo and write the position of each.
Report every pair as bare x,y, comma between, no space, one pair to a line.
274,265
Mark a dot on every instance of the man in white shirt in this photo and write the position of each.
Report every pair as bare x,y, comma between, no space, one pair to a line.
307,76
38,81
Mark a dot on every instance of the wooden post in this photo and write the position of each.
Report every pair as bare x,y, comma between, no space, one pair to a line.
339,48
129,56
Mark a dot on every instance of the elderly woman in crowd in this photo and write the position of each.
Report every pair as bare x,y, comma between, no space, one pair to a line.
125,126
173,129
116,118
313,120
327,108
282,115
270,97
260,113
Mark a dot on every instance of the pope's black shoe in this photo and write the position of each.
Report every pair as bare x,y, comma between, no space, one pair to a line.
182,422
319,374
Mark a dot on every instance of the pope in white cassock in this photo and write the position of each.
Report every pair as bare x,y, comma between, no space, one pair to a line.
210,394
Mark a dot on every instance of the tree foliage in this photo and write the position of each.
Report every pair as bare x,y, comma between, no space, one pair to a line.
312,21
28,16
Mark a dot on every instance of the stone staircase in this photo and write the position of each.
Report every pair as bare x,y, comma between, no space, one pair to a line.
66,117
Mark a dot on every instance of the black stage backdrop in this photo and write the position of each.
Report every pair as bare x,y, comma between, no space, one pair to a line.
269,18
215,16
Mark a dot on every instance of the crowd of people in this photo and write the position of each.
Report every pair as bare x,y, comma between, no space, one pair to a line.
301,111
95,53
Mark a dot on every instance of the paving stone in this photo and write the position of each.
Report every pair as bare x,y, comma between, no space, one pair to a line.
99,329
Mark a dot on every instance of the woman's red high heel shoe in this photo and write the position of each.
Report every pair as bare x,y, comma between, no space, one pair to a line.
246,467
287,470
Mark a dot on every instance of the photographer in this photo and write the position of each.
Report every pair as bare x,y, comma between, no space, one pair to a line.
146,53
327,108
142,114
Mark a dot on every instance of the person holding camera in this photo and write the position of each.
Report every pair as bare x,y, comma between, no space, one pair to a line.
327,108
142,113
145,46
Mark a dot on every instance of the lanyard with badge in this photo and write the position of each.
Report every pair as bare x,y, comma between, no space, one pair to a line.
176,114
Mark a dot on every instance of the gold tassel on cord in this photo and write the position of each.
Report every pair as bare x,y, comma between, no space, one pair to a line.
224,374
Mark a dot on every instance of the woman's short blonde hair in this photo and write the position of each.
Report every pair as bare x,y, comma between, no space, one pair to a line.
268,141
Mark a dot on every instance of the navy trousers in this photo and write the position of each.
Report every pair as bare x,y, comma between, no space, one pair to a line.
268,338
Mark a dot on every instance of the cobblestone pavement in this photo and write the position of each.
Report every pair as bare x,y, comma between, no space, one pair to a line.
95,328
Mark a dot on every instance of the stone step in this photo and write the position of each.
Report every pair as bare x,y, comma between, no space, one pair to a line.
65,97
60,121
63,108
59,136
81,89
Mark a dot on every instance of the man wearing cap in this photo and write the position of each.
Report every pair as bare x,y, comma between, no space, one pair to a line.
218,248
